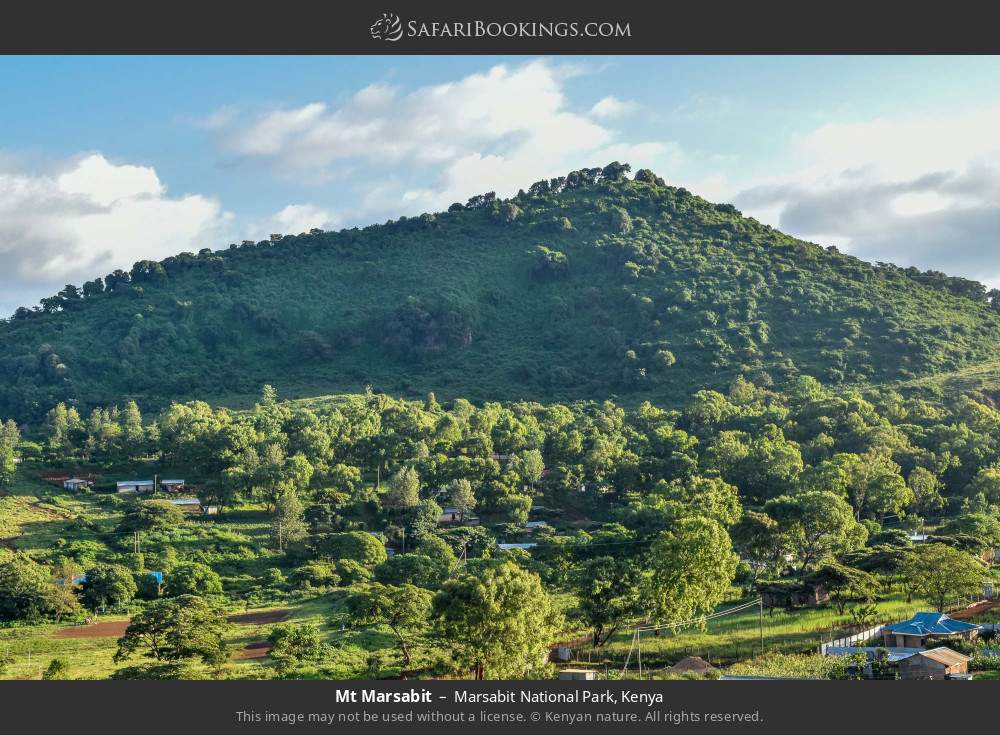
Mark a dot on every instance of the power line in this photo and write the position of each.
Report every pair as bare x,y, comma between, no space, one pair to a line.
703,618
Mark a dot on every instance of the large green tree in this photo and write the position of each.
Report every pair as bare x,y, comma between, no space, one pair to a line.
170,630
689,570
107,585
817,523
943,574
500,622
402,608
609,593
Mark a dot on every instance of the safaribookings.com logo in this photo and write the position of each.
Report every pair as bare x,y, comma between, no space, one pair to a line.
387,28
390,28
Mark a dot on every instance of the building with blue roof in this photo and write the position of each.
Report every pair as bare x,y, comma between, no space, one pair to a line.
927,626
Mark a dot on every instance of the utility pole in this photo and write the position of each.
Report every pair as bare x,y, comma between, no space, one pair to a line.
638,643
760,623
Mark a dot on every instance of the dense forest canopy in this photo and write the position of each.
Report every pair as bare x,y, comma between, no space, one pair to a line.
588,286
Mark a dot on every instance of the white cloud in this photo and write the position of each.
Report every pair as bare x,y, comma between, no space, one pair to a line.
87,217
914,190
500,130
611,106
298,218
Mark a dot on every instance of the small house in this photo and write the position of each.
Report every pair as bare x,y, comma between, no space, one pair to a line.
507,547
576,675
789,594
171,486
210,510
135,486
936,664
75,484
188,505
451,515
927,626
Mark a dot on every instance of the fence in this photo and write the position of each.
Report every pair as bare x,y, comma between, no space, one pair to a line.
861,637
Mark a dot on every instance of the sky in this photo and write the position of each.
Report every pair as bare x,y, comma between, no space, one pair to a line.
108,160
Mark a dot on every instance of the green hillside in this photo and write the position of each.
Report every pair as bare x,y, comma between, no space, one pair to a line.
591,286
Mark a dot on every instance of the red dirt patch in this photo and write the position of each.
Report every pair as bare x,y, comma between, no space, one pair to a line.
111,629
976,609
259,649
259,618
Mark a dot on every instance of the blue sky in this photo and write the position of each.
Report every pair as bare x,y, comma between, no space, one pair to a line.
104,161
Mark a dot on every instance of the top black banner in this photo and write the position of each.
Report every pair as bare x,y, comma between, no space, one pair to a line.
513,27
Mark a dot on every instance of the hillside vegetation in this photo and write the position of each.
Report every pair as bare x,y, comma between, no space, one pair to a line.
588,286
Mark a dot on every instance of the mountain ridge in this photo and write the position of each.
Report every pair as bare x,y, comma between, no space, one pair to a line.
586,286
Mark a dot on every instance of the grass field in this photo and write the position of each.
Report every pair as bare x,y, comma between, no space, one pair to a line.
738,637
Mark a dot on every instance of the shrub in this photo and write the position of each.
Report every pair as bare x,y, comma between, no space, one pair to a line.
192,579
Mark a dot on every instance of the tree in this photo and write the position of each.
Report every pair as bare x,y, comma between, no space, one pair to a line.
690,569
413,568
423,518
926,489
179,628
500,622
845,584
61,424
132,433
462,498
27,592
293,645
532,466
10,437
983,527
151,515
608,590
107,585
404,490
192,578
816,523
289,523
357,545
710,497
401,608
758,539
987,483
941,573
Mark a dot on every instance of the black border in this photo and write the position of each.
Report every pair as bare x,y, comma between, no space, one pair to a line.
657,27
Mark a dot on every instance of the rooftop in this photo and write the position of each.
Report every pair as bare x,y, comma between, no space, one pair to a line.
943,655
931,623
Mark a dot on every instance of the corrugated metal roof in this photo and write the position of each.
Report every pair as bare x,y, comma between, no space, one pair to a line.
931,623
943,655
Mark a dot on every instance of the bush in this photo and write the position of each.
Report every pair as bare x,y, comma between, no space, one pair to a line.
57,669
151,515
351,572
192,579
356,545
983,662
314,574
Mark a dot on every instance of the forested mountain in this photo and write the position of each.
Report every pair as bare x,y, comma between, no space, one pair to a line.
589,286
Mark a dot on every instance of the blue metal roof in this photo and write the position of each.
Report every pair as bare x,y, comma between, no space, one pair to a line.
931,623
